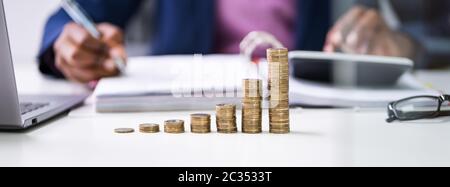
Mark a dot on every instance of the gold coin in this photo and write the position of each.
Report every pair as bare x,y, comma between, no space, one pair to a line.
201,131
226,118
227,131
278,84
257,118
250,112
278,111
224,122
279,125
201,116
174,122
252,82
149,128
174,131
225,110
279,131
248,131
226,106
223,126
279,121
279,53
252,119
174,126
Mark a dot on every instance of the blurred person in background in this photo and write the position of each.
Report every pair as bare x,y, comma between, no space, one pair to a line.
217,26
415,29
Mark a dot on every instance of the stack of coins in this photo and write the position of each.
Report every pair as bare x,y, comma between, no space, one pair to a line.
201,123
174,126
278,90
149,128
252,106
226,118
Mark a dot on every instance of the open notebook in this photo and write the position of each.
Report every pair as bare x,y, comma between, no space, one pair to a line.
200,82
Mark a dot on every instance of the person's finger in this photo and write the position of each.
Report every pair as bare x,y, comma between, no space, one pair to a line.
376,45
337,35
82,38
385,45
84,75
75,56
74,53
91,74
378,49
64,68
115,52
333,39
111,34
331,44
118,51
362,34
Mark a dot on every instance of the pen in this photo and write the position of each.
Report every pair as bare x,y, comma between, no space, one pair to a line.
81,17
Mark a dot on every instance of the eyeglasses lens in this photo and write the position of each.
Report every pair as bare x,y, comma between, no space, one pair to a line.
418,108
445,106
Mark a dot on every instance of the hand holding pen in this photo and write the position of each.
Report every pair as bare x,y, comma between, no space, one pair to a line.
85,52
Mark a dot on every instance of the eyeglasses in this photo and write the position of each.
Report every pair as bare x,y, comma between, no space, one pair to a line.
420,107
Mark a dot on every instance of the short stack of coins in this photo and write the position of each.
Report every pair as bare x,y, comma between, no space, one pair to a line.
252,106
174,126
226,118
201,123
278,90
149,128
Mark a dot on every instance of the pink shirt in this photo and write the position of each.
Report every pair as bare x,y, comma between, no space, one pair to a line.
236,18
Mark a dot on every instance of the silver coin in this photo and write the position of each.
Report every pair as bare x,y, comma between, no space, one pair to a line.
124,130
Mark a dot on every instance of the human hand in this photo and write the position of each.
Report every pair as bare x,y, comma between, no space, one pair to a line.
83,58
364,31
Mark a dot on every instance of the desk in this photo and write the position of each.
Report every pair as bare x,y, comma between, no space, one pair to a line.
330,137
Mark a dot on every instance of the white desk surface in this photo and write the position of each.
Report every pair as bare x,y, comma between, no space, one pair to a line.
330,137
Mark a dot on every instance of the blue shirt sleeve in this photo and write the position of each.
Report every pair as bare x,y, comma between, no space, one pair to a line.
117,12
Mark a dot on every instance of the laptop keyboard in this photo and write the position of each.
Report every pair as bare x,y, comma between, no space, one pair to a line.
30,107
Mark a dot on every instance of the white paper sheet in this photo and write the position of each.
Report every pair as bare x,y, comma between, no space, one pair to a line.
196,82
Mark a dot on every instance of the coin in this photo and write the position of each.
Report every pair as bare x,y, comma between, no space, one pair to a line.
252,106
283,131
201,116
226,118
174,126
200,123
278,85
124,130
149,128
252,131
252,89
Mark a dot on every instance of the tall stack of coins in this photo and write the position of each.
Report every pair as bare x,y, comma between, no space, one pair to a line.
226,118
278,90
252,106
174,126
201,123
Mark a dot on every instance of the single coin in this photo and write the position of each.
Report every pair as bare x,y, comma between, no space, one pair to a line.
123,130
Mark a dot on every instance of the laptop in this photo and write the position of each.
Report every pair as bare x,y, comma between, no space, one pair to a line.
20,112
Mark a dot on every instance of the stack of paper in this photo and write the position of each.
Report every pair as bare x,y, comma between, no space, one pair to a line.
200,82
173,83
323,95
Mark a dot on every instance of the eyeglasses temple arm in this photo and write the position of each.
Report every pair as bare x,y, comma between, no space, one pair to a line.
390,120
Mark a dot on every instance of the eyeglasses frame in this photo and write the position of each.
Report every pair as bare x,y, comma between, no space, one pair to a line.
393,113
